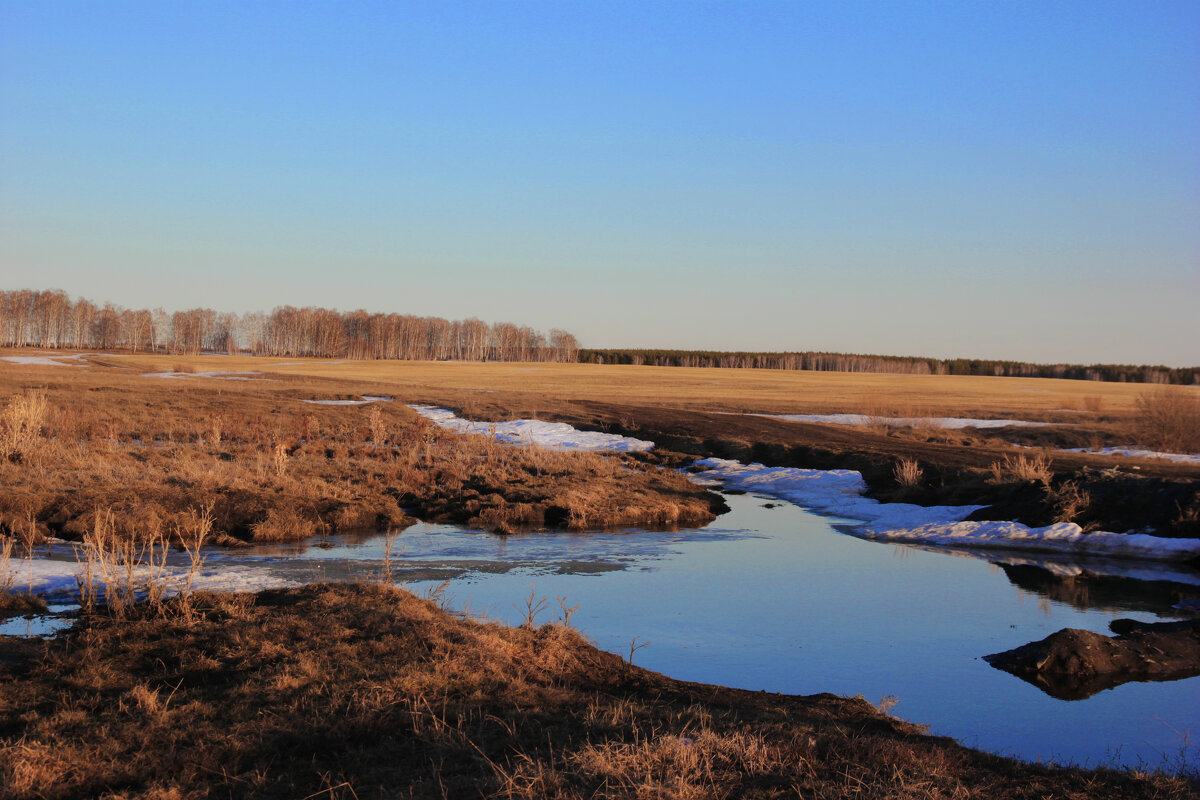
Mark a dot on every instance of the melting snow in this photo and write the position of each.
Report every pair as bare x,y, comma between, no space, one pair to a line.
937,422
50,361
1134,452
220,374
366,398
553,435
1063,537
836,492
839,493
52,576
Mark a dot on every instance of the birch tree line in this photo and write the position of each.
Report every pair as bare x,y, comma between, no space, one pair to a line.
51,320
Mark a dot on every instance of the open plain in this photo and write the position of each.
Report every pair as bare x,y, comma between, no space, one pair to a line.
221,695
714,412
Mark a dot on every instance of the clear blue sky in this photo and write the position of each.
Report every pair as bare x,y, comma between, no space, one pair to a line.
995,179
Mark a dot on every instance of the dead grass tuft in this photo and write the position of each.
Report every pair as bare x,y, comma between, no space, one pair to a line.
907,473
22,424
285,525
1168,419
1068,500
1021,469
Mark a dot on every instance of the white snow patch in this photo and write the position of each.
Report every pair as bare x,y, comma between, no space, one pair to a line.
52,576
226,375
835,492
366,398
936,422
53,359
838,493
552,435
1063,537
1135,452
48,361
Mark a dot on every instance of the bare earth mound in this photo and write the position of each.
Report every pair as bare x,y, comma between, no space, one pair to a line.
1074,664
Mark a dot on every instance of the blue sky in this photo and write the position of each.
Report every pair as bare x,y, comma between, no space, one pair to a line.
1009,180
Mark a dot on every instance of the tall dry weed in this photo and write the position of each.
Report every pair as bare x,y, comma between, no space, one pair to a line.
1068,500
216,429
8,575
285,525
1021,469
907,473
279,458
378,428
117,568
192,533
23,423
1168,419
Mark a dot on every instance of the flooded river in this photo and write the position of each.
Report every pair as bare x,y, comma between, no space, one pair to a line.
771,597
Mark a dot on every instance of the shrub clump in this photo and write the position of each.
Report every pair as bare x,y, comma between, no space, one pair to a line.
1168,419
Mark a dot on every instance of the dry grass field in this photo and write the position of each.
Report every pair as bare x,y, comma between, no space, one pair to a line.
364,691
697,412
715,389
82,444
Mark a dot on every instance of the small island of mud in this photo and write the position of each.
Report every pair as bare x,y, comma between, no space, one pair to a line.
1075,664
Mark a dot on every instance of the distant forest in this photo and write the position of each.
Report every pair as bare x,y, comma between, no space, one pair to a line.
843,362
50,319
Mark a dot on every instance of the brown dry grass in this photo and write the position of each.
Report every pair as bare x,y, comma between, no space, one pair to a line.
1022,469
148,451
388,696
766,391
1168,418
907,473
1086,413
666,405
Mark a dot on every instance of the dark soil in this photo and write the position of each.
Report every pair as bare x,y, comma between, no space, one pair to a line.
1074,664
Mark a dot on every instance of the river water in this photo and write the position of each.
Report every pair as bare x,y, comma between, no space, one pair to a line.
772,597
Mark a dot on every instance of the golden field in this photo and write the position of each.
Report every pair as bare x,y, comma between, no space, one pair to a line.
714,389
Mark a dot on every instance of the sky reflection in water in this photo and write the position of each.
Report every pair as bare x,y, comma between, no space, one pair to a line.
775,599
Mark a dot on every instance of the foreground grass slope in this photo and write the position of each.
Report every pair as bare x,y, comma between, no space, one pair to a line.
366,691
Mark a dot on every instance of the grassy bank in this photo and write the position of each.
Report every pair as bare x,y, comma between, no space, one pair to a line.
278,468
147,454
367,691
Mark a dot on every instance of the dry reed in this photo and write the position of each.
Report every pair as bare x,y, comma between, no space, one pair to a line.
907,473
1022,469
